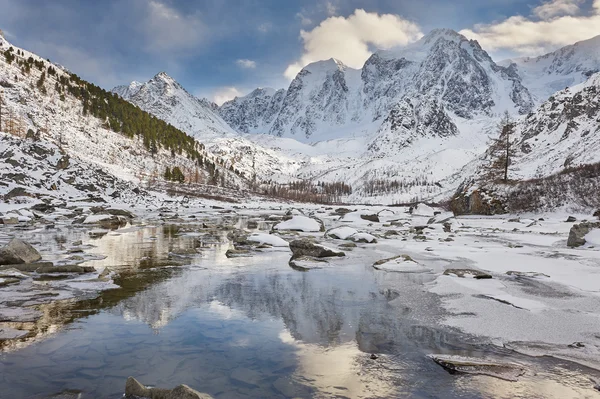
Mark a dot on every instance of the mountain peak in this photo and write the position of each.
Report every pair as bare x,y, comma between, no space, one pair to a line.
164,77
445,33
325,66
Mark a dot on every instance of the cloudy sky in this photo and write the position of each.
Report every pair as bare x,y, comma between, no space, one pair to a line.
222,48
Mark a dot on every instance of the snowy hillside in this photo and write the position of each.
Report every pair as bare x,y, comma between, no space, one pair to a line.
563,132
168,100
568,66
45,101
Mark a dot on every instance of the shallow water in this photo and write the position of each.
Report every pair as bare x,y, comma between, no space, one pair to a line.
254,327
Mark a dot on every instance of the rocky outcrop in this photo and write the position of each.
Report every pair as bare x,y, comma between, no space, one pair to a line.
306,247
476,202
579,231
134,389
17,252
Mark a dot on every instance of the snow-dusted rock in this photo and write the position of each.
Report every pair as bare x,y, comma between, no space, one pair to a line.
300,223
579,233
341,233
400,263
269,239
304,263
363,237
306,247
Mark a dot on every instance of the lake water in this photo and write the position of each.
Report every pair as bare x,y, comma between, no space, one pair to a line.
255,328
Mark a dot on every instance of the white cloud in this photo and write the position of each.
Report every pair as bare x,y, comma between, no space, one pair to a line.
246,64
348,39
550,30
304,20
331,8
265,27
555,8
225,94
168,30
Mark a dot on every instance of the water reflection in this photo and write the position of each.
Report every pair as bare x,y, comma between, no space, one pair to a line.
249,327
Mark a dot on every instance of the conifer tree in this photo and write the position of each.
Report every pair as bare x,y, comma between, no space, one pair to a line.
501,152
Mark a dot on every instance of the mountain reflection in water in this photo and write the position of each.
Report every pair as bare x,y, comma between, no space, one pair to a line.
252,327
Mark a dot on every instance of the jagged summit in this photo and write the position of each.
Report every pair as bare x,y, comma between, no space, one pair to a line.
328,100
325,66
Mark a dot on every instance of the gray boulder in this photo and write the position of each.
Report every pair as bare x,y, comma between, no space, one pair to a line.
579,231
305,247
571,219
370,218
17,252
134,389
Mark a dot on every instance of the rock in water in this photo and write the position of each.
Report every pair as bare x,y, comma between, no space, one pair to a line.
578,233
305,247
469,365
476,274
305,263
134,389
17,252
571,219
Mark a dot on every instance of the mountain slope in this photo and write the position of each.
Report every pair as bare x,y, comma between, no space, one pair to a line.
255,112
167,100
163,97
329,100
93,126
555,160
565,67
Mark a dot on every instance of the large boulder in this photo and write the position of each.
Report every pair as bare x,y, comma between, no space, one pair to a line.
17,252
134,389
306,247
579,231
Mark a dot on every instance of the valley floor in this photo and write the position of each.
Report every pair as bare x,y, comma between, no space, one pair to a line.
212,270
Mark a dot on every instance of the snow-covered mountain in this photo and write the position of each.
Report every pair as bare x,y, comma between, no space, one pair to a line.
563,132
254,112
165,98
45,103
399,128
329,100
565,67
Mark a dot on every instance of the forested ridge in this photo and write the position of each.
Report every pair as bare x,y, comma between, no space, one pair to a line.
116,113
